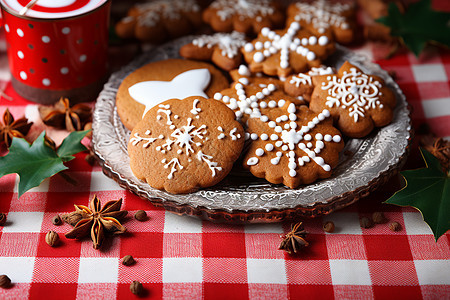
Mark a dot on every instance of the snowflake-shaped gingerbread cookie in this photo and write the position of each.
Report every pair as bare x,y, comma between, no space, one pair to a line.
247,16
293,146
324,17
158,20
183,145
223,49
254,100
283,52
358,102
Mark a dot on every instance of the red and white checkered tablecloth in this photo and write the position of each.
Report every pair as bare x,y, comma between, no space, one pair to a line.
180,257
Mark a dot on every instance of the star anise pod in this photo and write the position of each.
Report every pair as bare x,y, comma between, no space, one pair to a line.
439,147
295,239
61,115
13,128
96,220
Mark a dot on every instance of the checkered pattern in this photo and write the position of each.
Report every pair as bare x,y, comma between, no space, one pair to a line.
180,257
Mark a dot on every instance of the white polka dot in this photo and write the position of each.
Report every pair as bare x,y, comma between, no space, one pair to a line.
7,27
65,30
64,70
83,58
46,39
23,75
20,54
46,81
19,32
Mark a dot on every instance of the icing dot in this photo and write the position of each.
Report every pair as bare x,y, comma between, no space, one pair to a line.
243,70
292,165
252,161
265,31
292,173
279,144
319,160
312,40
272,104
319,136
272,124
23,75
264,118
217,96
259,152
264,137
278,129
279,154
326,168
258,57
310,56
269,147
83,58
20,54
307,137
286,126
306,159
65,30
64,70
320,144
284,148
248,47
19,32
46,39
281,103
323,40
259,45
46,81
309,145
254,136
327,138
336,138
274,137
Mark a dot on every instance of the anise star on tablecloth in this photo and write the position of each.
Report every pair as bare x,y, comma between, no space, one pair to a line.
295,239
96,220
13,128
439,147
61,115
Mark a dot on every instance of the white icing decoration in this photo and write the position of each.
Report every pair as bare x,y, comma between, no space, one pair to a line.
252,161
301,79
195,110
189,83
322,14
284,45
137,138
211,164
225,9
175,163
355,90
228,43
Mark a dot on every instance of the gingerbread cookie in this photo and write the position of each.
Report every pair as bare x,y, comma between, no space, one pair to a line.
159,20
243,74
322,17
163,80
183,145
249,100
223,49
293,146
283,52
247,16
357,102
301,84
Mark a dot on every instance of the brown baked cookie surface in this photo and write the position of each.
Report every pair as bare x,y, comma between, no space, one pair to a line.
293,146
358,102
247,16
302,85
131,111
183,145
283,52
323,17
159,20
223,49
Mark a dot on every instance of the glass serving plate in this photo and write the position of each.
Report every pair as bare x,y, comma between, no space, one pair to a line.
241,198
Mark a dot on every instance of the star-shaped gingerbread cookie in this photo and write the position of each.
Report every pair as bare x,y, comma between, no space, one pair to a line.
358,102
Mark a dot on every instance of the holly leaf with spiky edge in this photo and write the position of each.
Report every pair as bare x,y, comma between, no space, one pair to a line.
419,25
34,163
427,190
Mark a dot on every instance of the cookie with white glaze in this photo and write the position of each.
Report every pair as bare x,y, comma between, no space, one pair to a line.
283,52
158,20
302,84
322,17
247,16
357,101
223,49
183,145
293,146
162,80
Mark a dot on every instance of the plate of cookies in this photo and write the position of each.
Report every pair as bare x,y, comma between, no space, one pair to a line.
287,124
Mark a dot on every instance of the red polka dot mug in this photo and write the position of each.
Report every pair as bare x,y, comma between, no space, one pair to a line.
57,48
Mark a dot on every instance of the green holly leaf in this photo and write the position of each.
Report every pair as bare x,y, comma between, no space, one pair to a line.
34,163
419,25
427,190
